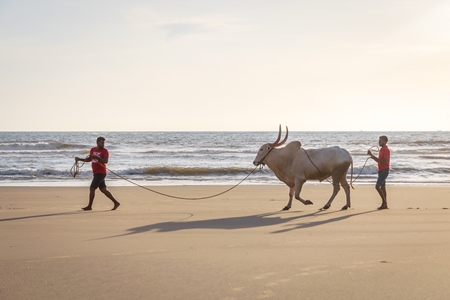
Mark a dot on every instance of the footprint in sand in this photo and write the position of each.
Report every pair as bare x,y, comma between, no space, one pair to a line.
276,282
266,294
313,270
264,275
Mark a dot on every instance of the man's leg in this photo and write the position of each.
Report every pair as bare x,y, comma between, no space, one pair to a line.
382,191
96,181
91,199
111,197
381,187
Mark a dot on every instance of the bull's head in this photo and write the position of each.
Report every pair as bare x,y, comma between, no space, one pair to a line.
266,148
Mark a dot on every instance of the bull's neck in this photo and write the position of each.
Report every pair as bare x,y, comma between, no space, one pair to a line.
271,159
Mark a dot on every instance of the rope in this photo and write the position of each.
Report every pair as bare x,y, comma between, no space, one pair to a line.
75,170
377,149
183,198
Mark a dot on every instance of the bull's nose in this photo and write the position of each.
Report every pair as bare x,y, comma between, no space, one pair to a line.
255,163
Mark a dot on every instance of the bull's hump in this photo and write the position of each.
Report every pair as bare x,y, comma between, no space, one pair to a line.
295,145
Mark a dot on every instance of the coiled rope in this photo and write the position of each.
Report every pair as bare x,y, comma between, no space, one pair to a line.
76,168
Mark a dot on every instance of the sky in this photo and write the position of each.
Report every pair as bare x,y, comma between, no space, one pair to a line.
234,65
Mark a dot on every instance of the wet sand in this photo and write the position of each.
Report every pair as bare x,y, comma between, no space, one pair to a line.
236,246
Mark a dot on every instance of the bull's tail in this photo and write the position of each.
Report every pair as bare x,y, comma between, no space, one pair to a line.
351,176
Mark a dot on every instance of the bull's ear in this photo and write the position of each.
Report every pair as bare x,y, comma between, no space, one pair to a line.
300,143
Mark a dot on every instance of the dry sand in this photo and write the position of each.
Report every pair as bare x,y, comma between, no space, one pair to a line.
236,246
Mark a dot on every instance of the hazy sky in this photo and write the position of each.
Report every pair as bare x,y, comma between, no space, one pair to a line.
225,65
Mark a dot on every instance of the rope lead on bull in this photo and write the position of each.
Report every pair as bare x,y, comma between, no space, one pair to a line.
75,170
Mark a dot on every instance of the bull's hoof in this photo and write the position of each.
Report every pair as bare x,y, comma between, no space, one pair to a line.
345,207
286,208
307,202
326,207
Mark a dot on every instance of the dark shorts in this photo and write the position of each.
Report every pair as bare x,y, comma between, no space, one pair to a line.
382,175
98,181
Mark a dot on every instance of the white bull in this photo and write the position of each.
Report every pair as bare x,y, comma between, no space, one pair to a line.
294,165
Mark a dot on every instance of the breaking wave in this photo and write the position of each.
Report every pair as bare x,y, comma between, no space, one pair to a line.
33,146
32,173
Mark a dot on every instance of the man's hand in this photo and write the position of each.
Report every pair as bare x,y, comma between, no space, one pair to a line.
77,159
372,156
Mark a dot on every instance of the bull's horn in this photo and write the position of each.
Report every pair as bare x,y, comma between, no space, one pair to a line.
285,138
274,144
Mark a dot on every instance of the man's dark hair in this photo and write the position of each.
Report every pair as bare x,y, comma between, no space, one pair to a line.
100,138
383,137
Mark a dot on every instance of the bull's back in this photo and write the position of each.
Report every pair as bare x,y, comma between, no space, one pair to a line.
324,161
340,155
337,153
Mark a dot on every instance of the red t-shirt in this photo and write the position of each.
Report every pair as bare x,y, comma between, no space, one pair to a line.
96,166
384,153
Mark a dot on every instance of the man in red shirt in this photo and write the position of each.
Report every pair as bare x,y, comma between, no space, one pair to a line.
99,157
383,161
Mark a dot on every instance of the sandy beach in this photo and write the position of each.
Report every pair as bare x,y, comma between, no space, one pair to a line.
236,246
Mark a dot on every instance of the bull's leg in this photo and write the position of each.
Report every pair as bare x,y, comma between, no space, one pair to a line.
336,189
346,187
298,188
291,194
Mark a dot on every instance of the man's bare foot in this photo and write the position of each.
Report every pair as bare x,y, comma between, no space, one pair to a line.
116,205
383,207
87,208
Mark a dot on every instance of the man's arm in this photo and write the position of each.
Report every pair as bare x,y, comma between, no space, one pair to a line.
383,160
372,156
103,160
87,159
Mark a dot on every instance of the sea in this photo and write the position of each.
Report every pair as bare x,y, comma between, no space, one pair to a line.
209,158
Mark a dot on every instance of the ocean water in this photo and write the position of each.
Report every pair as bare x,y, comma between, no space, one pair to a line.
225,158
